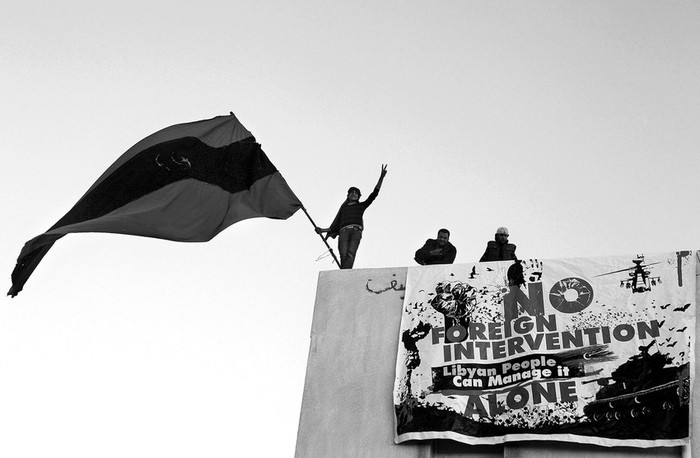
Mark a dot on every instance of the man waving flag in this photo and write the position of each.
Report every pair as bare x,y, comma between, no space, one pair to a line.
187,183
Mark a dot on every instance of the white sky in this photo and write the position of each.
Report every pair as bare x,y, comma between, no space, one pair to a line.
573,123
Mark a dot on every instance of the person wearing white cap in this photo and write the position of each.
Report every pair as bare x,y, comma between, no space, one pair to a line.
499,249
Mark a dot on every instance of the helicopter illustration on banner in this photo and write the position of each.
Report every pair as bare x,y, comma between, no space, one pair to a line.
640,279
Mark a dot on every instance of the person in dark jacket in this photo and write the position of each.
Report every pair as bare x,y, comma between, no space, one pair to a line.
437,251
499,249
348,223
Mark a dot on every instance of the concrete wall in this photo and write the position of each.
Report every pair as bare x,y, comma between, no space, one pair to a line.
347,407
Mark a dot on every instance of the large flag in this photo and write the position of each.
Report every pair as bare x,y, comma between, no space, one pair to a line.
187,182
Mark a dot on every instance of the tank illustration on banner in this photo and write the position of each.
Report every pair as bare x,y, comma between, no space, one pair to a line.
645,385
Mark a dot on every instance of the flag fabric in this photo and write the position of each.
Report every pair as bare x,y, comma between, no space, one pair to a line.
187,183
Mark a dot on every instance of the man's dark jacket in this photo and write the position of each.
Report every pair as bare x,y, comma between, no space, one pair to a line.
423,256
351,213
496,252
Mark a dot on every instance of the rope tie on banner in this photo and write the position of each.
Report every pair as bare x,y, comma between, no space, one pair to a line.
323,255
330,250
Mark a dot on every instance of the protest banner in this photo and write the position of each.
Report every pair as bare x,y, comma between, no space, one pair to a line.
588,350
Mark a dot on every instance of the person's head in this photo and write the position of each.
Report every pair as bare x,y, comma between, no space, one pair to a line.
354,194
516,275
502,235
443,237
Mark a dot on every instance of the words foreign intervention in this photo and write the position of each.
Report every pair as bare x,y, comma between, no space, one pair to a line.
485,341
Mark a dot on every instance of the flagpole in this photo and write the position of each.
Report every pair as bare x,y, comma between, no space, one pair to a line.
322,237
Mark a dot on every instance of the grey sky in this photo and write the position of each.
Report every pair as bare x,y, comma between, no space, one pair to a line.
572,123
